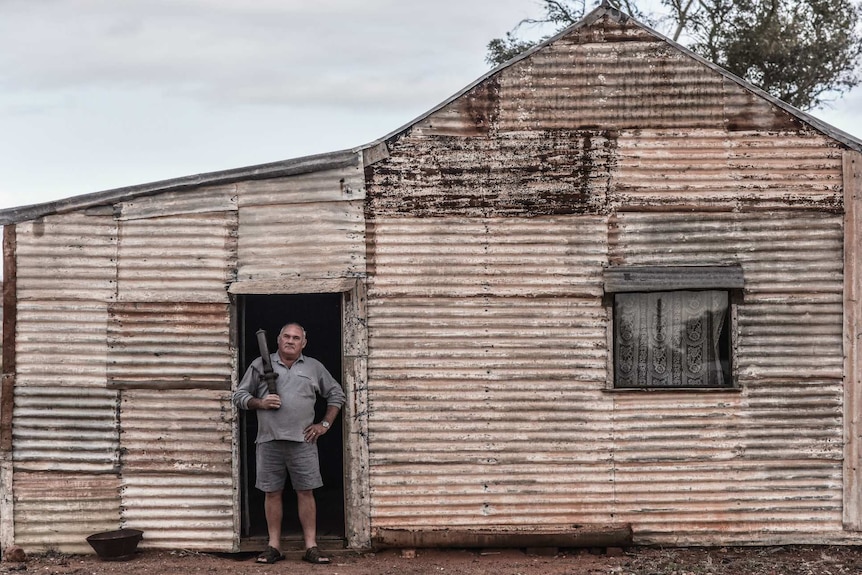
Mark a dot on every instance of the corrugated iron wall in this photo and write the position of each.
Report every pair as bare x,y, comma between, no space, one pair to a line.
764,464
125,357
484,369
65,427
177,467
488,227
317,220
170,352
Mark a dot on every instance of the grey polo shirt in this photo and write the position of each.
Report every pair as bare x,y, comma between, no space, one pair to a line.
298,386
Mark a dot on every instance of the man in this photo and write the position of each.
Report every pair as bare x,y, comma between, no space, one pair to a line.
287,435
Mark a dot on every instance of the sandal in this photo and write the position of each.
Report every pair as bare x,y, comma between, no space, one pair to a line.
313,555
269,555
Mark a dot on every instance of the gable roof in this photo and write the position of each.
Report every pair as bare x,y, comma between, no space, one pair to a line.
605,10
347,157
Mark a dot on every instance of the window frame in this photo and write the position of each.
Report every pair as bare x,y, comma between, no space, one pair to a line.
647,279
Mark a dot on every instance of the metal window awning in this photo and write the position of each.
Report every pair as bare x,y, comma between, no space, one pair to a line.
621,279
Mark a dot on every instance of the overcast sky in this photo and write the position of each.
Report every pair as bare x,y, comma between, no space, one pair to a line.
100,94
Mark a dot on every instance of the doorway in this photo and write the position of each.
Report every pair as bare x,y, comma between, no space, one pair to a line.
321,316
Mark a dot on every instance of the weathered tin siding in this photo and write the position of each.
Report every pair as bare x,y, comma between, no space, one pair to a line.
489,224
485,368
125,354
177,468
169,337
764,464
110,300
305,226
65,427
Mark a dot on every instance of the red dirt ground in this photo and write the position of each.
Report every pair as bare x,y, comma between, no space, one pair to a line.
790,560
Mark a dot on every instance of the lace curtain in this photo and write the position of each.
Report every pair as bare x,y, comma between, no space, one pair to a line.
669,339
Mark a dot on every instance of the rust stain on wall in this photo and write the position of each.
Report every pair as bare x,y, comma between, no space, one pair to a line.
513,175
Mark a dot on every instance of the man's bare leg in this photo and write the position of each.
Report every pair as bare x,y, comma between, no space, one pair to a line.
272,508
307,508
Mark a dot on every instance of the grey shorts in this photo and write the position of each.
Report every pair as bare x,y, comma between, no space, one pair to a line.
276,458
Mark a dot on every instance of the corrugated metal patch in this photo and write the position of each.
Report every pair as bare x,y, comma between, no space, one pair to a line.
717,168
177,467
486,357
320,240
64,418
67,257
588,82
68,428
345,184
174,345
196,201
318,214
514,174
190,257
168,432
460,257
56,512
180,511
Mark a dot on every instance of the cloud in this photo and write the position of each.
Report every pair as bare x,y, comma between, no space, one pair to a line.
372,53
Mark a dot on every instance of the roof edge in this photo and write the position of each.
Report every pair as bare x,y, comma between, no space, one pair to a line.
291,167
606,10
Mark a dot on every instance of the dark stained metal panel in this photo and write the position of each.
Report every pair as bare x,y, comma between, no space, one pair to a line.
65,428
187,257
169,345
660,278
519,174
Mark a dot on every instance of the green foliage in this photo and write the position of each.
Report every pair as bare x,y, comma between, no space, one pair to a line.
797,51
801,51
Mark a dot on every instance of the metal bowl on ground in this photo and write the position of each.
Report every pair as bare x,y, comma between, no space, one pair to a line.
117,545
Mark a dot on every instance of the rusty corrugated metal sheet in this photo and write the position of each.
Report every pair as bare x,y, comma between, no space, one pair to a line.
317,218
501,257
717,169
65,426
58,511
177,467
484,369
184,257
67,257
605,126
185,202
764,464
175,345
617,76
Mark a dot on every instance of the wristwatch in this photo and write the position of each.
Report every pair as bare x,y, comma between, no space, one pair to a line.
325,424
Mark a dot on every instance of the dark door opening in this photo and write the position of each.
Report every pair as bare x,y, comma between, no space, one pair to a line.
320,315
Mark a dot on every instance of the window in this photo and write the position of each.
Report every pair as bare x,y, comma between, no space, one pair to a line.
672,326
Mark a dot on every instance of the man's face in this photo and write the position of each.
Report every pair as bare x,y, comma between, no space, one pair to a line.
291,342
